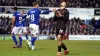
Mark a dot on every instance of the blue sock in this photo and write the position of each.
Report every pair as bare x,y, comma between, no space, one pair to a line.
14,39
20,41
33,40
26,37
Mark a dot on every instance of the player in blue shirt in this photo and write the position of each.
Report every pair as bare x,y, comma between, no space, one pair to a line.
34,14
17,27
25,25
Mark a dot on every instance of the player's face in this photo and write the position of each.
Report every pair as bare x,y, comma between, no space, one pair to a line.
22,12
63,4
37,5
13,10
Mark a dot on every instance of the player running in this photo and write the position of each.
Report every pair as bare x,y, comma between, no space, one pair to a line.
62,16
34,14
25,25
17,27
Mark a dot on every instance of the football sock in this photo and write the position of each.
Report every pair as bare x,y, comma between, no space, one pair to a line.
33,47
63,46
14,39
20,41
59,48
26,37
33,40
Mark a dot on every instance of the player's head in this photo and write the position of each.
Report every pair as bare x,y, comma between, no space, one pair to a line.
22,12
63,4
35,4
14,8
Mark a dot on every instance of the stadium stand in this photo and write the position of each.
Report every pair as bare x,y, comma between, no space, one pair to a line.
53,3
74,27
5,25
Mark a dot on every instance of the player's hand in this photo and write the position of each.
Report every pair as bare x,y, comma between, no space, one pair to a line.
54,9
12,26
58,14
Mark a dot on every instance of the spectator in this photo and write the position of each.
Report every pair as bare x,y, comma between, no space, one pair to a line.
53,3
74,26
5,25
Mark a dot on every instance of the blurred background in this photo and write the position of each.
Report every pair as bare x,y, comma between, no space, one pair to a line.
84,17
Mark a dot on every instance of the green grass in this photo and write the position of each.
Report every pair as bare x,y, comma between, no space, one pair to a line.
49,48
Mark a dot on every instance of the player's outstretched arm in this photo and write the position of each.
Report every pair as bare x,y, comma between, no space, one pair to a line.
25,16
47,11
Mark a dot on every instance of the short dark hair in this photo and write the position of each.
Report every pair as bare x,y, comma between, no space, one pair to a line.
22,10
14,8
35,3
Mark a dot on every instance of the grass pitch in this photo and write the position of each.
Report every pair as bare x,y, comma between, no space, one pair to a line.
49,48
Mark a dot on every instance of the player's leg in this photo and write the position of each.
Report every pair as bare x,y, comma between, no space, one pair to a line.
19,36
20,41
65,48
15,40
33,39
14,37
26,34
60,43
33,28
63,45
58,36
34,35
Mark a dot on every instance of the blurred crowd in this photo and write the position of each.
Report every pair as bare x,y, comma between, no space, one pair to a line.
52,3
84,3
5,25
14,3
75,26
78,27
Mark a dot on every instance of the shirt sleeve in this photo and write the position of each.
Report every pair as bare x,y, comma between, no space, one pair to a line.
44,11
14,14
26,15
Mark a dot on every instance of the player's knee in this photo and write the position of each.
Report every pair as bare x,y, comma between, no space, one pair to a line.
19,35
25,33
34,35
59,37
12,34
59,40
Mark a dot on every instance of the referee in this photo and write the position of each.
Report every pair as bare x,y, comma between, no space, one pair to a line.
61,17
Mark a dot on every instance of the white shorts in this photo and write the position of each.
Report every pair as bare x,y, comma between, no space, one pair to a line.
17,30
34,29
24,29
